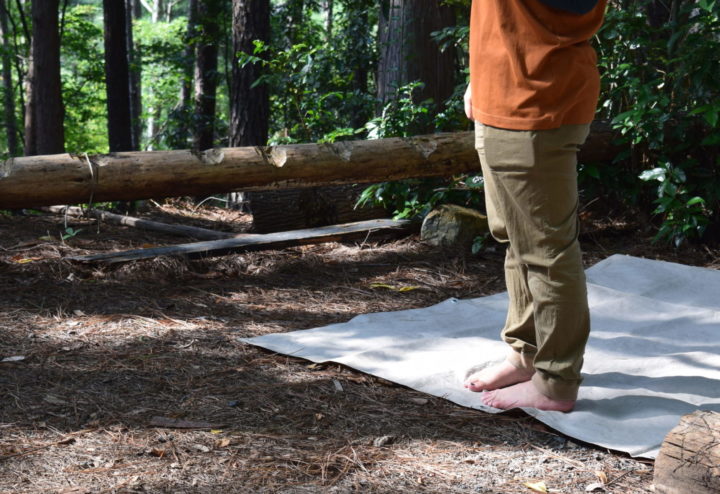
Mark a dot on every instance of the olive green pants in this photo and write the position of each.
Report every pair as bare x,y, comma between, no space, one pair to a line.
532,199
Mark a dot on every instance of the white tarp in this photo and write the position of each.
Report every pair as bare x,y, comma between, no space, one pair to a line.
653,353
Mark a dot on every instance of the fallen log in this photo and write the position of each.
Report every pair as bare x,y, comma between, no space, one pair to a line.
689,459
155,226
250,242
71,178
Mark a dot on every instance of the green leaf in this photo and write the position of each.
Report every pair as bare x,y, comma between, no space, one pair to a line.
654,174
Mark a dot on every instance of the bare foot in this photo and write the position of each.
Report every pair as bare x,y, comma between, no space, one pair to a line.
525,395
497,376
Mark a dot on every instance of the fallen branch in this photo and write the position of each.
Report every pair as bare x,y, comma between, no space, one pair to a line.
254,242
156,226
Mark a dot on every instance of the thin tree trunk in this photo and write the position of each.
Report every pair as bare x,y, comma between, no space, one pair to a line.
206,74
135,80
249,106
186,89
117,76
329,11
47,135
359,54
294,16
8,93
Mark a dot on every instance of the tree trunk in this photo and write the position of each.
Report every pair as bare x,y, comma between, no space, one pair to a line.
249,106
329,12
309,208
45,108
359,54
117,76
206,74
408,53
293,18
71,179
183,111
135,81
8,93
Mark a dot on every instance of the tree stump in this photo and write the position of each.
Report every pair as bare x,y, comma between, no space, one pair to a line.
689,459
294,209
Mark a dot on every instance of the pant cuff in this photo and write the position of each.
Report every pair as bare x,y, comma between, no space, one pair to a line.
554,388
521,360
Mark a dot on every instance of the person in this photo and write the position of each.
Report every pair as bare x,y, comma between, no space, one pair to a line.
534,87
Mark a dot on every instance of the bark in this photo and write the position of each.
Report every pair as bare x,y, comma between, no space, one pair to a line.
8,93
72,179
292,209
44,132
206,73
135,68
408,53
117,76
358,55
293,18
186,90
249,106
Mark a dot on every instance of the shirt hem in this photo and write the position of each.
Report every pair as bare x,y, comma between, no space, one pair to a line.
525,123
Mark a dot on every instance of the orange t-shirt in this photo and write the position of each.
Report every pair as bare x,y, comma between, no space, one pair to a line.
531,66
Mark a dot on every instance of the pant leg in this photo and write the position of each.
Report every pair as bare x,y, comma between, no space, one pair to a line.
534,193
519,330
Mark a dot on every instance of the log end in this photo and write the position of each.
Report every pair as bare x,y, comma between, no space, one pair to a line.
689,459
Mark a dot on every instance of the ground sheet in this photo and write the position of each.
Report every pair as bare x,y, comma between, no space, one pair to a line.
653,354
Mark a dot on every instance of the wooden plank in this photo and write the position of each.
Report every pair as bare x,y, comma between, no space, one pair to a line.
689,459
156,226
254,242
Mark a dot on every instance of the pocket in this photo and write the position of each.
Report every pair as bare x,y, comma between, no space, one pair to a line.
479,136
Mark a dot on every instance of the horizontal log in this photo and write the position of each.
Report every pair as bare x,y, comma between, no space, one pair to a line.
71,179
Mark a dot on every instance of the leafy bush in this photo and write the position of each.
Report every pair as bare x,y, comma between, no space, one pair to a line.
662,93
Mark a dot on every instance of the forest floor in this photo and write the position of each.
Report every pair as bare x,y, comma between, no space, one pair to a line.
113,355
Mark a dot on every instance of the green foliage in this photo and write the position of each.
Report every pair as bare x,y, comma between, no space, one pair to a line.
83,76
684,216
161,46
661,91
416,198
69,233
402,116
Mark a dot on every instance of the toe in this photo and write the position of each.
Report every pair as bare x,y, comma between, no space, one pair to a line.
476,386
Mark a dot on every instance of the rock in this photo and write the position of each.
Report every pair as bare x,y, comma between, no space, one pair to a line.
453,226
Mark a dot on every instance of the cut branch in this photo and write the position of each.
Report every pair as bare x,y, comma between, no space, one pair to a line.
156,226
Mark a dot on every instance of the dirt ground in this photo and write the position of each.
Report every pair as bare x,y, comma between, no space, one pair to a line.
133,378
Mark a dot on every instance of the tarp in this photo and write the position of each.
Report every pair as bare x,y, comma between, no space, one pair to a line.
653,353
